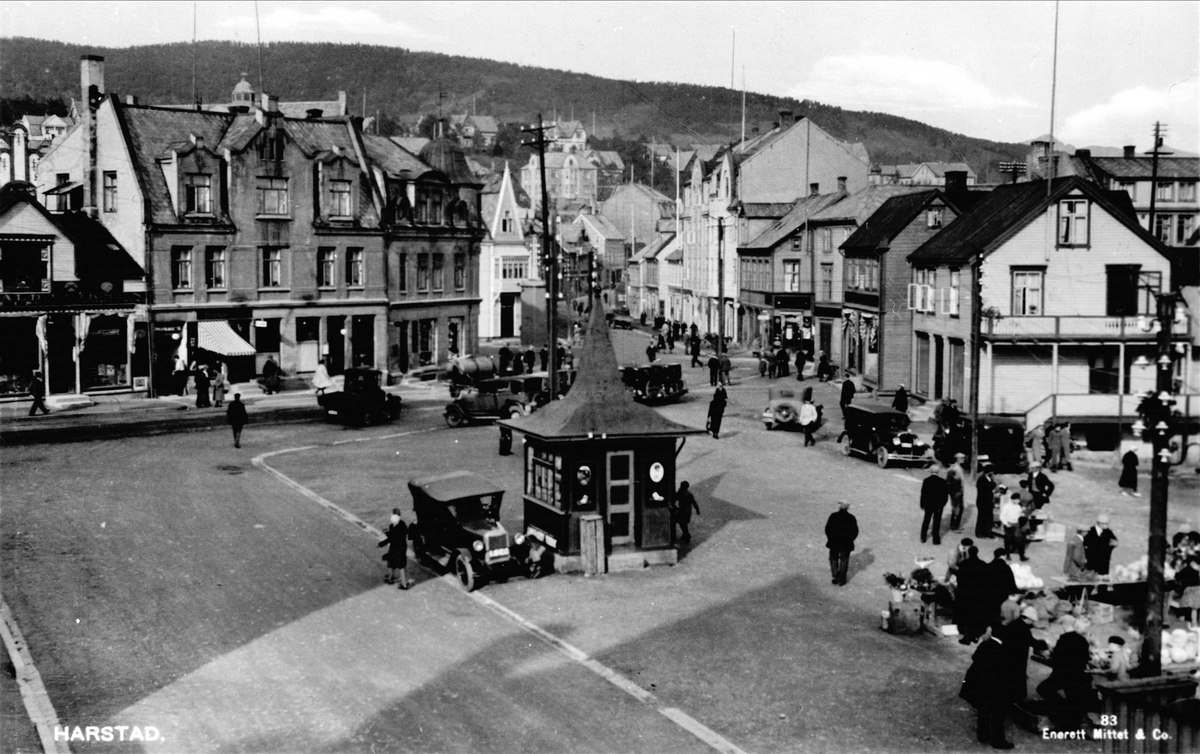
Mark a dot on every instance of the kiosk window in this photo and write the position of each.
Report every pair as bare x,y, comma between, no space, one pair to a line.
543,477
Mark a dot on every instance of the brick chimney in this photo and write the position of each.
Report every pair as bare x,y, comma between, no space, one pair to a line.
91,89
956,182
814,189
785,118
1130,151
1083,153
841,183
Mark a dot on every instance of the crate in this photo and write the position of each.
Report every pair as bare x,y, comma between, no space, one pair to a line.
906,617
1101,612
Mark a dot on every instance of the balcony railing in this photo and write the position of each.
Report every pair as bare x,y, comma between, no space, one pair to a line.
1093,328
1110,406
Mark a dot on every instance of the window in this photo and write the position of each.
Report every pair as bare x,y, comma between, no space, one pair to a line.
439,277
435,208
506,222
270,147
421,210
797,242
933,218
827,281
326,267
1073,222
922,291
272,267
1149,286
339,199
110,191
1165,192
1162,227
950,295
354,268
197,194
1129,188
514,269
1184,229
460,271
543,476
62,200
791,276
1027,293
273,196
403,272
1187,191
181,267
422,272
214,267
825,240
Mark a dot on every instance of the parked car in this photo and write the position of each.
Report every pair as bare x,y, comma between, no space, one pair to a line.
654,383
880,432
361,399
621,323
1001,443
783,409
504,397
458,528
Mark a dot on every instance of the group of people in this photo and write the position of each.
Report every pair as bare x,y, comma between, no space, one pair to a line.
516,362
1050,445
211,385
938,490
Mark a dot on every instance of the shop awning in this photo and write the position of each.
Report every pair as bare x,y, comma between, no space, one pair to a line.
219,337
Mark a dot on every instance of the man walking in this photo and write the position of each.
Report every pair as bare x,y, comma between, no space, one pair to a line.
714,369
716,411
956,479
808,419
900,401
37,390
840,532
694,349
1098,545
934,494
236,414
985,503
848,391
1010,518
685,503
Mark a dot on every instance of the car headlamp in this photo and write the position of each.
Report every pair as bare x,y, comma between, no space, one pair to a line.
895,441
519,539
477,545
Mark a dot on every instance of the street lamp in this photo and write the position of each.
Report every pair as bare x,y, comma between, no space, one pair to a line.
1157,424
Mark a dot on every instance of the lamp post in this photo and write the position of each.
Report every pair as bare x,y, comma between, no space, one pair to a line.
1158,424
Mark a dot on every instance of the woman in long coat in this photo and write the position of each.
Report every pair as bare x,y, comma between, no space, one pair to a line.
1128,480
219,386
397,555
716,411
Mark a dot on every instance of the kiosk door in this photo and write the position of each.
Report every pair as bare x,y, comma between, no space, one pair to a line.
619,513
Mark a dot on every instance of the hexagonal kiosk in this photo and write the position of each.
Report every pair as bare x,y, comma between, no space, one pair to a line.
600,468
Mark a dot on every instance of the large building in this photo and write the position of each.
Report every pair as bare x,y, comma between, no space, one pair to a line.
265,236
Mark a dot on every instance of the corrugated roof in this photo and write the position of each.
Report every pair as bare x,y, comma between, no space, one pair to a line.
800,212
893,216
598,405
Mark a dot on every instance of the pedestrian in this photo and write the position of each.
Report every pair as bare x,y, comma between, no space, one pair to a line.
179,375
1075,560
544,356
1052,439
1098,544
984,688
934,493
1035,443
985,504
1064,440
1040,486
37,391
1129,475
270,376
238,419
694,349
396,557
726,368
320,380
801,359
219,386
518,364
671,340
716,411
823,367
999,582
506,358
506,439
714,370
848,391
808,420
202,386
970,580
661,342
685,503
840,532
956,480
650,352
772,362
1068,689
1011,514
900,401
781,363
956,557
762,364
530,359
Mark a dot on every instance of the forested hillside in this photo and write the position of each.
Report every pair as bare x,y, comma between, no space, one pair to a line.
399,85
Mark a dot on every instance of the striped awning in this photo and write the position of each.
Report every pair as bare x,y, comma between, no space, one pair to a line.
219,337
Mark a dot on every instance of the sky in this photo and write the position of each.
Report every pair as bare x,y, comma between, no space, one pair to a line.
978,69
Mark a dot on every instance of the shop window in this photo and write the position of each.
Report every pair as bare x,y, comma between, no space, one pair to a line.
266,335
543,476
354,267
181,267
214,267
110,191
272,267
308,329
104,360
326,267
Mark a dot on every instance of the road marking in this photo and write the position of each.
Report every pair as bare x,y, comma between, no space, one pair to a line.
677,716
907,478
37,702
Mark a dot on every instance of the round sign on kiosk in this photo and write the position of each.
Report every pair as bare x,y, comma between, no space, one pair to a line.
656,472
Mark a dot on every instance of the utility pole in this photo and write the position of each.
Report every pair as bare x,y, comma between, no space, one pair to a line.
549,257
1160,130
720,285
976,326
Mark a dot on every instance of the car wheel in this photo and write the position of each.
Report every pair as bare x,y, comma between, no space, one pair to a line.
769,426
882,457
846,449
785,415
454,417
515,412
465,572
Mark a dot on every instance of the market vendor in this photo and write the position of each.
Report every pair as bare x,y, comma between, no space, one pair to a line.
957,556
1118,660
1075,562
1068,690
1098,544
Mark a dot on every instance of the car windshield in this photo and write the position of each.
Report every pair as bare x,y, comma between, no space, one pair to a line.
362,380
897,423
474,509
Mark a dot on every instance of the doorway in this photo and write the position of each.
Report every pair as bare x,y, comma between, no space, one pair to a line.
939,366
60,353
507,308
335,339
619,513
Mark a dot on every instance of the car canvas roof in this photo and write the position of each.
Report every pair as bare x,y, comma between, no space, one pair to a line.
455,485
876,410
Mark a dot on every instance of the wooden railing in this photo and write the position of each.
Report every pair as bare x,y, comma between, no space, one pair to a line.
1092,328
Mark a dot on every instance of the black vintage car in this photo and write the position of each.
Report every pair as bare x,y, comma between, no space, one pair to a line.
458,527
654,384
1001,443
882,433
504,397
361,399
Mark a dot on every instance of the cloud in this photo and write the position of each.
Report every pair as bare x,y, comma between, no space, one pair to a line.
903,86
1128,118
329,23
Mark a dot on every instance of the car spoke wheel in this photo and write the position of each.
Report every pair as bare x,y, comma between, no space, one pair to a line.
846,449
881,457
454,417
515,412
465,572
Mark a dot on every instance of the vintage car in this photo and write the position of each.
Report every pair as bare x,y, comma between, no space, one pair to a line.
654,383
621,323
458,528
361,400
881,432
504,397
783,409
1001,443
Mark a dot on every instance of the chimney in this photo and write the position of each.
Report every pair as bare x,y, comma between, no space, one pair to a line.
814,189
198,141
270,103
841,183
956,182
1130,151
130,99
1084,153
91,85
785,118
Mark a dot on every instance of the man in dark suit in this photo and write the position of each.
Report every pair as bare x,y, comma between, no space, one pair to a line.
37,390
1098,545
840,532
934,494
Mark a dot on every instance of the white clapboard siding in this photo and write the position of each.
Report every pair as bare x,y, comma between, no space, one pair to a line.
26,220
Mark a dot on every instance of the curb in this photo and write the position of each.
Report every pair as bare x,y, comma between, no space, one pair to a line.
33,692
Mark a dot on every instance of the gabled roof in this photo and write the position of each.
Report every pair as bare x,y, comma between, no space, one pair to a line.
411,143
98,255
312,136
1007,209
1169,168
860,205
392,158
598,406
893,216
608,159
650,251
941,168
240,133
765,210
602,225
672,251
328,108
803,210
484,123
